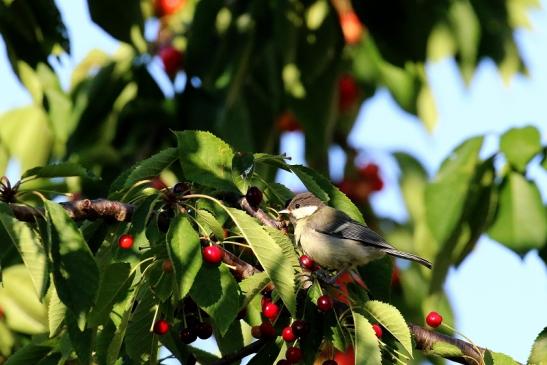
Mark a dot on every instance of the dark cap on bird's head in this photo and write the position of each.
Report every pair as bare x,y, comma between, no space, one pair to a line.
302,205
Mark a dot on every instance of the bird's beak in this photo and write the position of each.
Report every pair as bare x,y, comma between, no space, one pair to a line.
284,211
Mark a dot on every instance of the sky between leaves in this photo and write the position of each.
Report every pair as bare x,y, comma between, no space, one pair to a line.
499,298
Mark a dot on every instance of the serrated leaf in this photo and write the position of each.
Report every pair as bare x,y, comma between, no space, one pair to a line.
270,255
337,199
80,340
278,191
56,312
138,337
273,160
113,288
445,196
539,349
391,319
367,346
242,170
217,293
151,166
28,354
520,145
30,248
497,358
208,220
521,221
73,263
252,285
309,182
184,251
206,159
64,169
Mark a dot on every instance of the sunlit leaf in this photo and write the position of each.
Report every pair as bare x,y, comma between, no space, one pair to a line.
367,347
151,166
520,145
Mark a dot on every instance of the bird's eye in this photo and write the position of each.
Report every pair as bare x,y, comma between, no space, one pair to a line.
297,206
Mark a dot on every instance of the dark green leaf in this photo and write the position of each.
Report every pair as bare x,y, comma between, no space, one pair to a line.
185,252
210,223
29,354
206,159
139,337
412,181
113,288
152,166
521,222
80,340
217,293
278,192
377,276
30,248
310,183
539,349
367,347
123,19
252,285
64,169
73,263
232,340
520,145
243,165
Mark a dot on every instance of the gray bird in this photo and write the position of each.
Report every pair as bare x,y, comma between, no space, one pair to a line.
334,240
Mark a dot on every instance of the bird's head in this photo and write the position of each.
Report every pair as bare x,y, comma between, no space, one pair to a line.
302,206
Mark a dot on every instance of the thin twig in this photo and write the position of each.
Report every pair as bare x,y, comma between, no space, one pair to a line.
241,353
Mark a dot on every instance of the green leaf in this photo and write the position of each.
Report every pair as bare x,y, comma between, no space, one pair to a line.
445,196
252,285
539,349
367,347
56,312
114,287
521,221
80,340
73,263
377,276
232,340
23,311
412,181
520,145
217,293
278,191
206,159
270,255
64,169
208,220
184,251
242,170
30,248
138,338
392,320
151,166
123,20
309,182
445,350
337,199
497,358
28,354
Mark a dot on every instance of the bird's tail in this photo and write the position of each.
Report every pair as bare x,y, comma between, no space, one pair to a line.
408,256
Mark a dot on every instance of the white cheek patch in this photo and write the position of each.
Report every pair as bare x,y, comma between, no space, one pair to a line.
304,212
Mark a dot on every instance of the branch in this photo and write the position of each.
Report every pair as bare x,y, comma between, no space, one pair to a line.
241,353
261,215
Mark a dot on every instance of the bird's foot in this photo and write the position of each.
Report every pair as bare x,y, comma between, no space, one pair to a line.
325,277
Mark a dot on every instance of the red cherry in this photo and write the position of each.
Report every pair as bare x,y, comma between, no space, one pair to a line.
369,170
265,301
307,263
254,196
125,242
203,330
161,327
267,330
2,314
167,265
271,310
348,92
434,319
324,303
287,122
288,334
345,358
293,354
157,183
351,27
330,362
187,335
172,60
300,328
377,184
212,254
256,332
377,329
167,7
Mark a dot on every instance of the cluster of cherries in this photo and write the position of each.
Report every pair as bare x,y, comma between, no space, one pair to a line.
367,181
171,58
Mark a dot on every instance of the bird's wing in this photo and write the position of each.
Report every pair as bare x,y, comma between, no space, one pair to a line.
341,226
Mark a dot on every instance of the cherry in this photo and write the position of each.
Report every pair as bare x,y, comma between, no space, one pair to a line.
161,327
267,330
125,242
256,332
203,330
293,354
348,92
351,27
271,310
283,362
167,7
324,303
2,314
187,336
167,265
377,329
171,59
287,122
254,196
300,328
264,302
330,362
307,263
157,183
434,319
288,334
212,254
180,188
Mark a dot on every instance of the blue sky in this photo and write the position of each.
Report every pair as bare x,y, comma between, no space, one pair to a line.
499,298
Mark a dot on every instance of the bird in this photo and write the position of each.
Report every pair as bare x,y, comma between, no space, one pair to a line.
334,240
